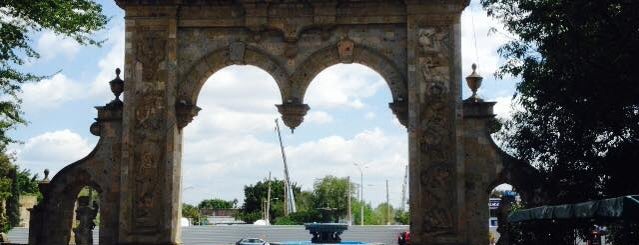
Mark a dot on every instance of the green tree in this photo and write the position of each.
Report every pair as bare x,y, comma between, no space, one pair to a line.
255,195
13,203
28,183
370,216
382,211
6,166
192,213
332,192
77,19
402,217
579,99
217,203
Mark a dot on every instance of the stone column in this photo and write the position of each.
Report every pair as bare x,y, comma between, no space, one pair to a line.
150,174
436,162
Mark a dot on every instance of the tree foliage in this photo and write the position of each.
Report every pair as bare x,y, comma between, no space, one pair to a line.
192,213
332,192
255,195
13,203
217,203
579,99
77,19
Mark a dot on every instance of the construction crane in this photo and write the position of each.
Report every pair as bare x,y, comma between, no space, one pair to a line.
404,187
289,197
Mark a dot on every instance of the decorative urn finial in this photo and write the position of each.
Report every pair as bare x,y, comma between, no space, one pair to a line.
117,87
474,82
46,175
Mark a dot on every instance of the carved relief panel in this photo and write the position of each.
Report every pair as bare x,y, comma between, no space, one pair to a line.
148,131
436,132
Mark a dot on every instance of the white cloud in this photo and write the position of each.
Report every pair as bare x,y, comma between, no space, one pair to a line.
99,88
476,23
370,115
50,45
318,117
344,85
52,150
59,89
220,165
50,93
503,109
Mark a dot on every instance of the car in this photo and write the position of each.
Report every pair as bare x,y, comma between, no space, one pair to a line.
404,238
251,241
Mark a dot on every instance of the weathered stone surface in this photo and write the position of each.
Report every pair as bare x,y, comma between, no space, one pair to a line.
173,47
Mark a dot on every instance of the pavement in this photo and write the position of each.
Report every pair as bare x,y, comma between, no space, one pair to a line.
229,234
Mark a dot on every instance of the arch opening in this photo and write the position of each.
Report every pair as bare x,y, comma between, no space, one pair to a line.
232,139
229,138
86,217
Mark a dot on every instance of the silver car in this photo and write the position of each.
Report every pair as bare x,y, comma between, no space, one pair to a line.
251,241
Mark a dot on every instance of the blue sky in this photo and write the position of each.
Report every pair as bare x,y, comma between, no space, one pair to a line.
231,143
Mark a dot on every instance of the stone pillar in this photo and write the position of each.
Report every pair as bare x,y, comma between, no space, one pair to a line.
436,159
150,173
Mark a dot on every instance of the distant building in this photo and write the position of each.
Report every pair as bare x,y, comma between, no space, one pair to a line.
221,216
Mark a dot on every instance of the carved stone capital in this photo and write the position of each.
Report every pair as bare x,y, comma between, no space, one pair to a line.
293,113
400,109
185,112
478,109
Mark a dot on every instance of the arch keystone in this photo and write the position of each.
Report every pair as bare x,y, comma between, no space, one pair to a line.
345,51
236,53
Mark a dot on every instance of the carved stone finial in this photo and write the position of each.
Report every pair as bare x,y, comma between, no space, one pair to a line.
46,175
185,112
293,112
117,87
474,82
400,109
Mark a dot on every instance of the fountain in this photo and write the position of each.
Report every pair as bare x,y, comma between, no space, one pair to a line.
328,231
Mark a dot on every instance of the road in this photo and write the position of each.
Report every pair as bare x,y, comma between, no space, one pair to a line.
229,234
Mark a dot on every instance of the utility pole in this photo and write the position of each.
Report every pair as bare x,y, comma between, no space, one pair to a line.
361,197
404,185
268,200
348,191
285,198
289,197
388,211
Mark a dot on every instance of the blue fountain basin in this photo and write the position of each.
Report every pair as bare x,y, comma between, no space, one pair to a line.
309,242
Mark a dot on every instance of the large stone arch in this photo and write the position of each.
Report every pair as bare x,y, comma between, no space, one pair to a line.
346,52
414,45
237,53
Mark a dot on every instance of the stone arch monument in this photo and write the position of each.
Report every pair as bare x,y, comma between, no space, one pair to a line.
173,46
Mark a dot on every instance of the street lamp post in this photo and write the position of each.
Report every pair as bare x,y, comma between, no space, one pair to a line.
361,194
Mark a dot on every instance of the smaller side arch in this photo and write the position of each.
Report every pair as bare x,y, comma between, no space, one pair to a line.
236,54
346,51
51,218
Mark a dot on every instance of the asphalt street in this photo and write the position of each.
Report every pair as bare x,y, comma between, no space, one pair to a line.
229,234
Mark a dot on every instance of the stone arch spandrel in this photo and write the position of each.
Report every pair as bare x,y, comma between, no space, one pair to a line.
100,169
235,54
347,51
61,192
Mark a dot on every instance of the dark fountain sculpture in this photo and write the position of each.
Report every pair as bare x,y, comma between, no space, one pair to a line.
329,230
